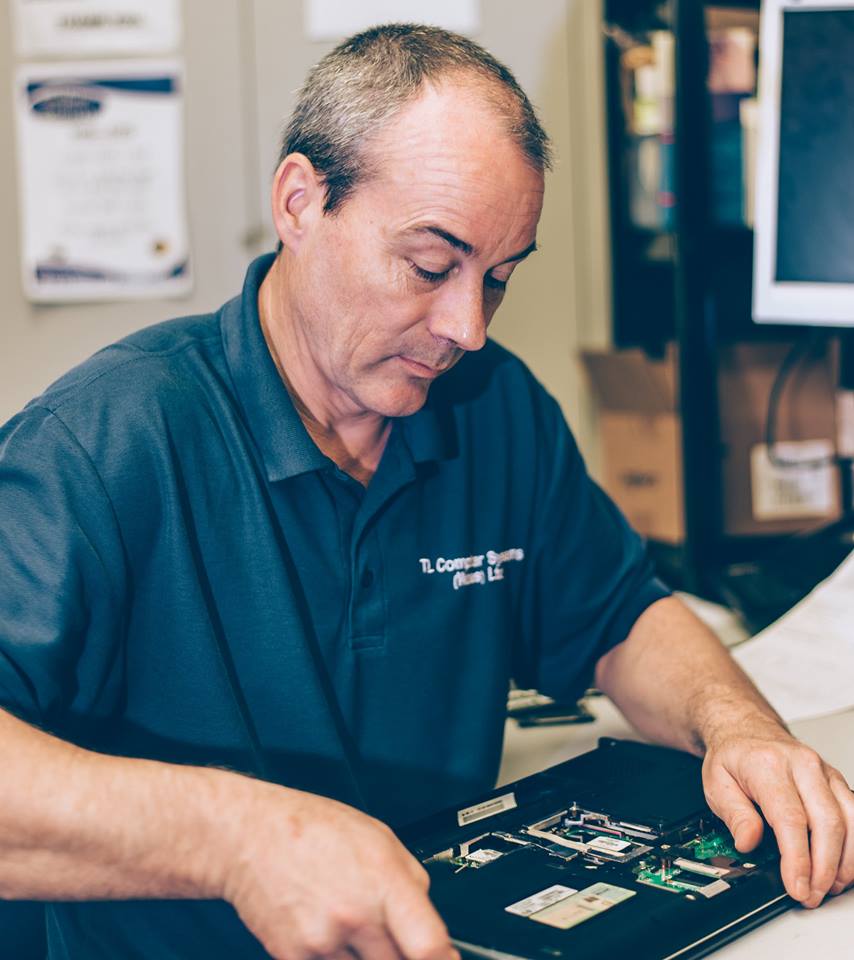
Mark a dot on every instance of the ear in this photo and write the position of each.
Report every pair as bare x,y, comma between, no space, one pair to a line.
297,199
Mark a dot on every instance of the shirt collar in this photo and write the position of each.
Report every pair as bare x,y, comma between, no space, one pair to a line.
285,445
286,448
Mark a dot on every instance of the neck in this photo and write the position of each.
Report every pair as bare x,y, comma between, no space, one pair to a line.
354,439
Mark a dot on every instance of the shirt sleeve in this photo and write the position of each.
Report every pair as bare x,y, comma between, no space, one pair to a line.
590,575
62,572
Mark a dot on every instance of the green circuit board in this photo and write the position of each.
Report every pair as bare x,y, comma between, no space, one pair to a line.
711,845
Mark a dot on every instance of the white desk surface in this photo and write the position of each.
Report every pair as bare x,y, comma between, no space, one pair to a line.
827,932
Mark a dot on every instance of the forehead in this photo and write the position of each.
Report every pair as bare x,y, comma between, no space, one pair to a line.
447,159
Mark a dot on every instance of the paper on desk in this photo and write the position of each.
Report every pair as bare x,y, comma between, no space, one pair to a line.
804,662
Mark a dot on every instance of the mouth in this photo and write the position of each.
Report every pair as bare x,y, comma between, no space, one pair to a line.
421,369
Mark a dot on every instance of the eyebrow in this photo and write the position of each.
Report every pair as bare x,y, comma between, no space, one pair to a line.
467,248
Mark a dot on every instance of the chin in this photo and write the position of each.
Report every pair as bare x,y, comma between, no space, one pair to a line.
402,400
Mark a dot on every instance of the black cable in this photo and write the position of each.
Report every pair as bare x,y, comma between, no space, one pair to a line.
795,356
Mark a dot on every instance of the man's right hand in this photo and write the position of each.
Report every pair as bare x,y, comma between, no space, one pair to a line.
311,877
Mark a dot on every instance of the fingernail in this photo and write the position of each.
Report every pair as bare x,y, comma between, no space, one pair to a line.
802,889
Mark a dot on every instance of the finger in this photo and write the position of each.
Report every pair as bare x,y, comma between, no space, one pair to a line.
416,928
281,945
373,943
845,799
826,825
735,808
780,802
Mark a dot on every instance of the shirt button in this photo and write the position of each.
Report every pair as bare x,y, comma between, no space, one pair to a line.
367,578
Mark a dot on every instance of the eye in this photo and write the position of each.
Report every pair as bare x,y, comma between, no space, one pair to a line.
494,283
429,276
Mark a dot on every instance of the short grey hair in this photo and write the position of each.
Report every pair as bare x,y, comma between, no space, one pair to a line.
363,83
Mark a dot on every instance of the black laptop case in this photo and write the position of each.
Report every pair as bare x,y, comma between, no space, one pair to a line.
612,854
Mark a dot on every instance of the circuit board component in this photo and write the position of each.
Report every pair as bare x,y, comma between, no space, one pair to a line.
591,834
695,859
664,874
711,845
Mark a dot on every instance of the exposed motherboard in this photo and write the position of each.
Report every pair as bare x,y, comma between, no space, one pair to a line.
618,852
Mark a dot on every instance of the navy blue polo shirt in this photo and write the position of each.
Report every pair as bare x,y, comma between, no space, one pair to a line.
187,577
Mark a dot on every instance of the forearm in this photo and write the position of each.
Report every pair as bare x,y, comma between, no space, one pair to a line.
308,876
677,684
79,825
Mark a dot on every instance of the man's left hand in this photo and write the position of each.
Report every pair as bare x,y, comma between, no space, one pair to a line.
807,803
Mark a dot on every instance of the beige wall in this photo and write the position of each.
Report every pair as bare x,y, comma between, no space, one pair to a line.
244,60
38,342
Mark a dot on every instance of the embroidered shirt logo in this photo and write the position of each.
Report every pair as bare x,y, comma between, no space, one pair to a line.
479,568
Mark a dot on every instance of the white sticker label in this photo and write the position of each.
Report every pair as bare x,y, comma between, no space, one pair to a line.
713,889
608,844
570,911
802,485
480,811
484,856
704,869
539,901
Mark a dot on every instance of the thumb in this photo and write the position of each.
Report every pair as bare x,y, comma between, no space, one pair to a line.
416,927
727,799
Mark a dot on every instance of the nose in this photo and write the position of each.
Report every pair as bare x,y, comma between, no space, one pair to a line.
460,317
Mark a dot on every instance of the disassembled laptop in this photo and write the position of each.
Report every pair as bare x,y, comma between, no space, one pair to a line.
633,831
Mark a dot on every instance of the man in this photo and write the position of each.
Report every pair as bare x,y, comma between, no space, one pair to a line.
288,539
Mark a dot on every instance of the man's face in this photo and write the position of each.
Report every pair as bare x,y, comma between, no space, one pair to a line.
404,278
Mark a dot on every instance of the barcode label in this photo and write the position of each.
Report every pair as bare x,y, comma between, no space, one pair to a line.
480,811
781,492
539,901
609,844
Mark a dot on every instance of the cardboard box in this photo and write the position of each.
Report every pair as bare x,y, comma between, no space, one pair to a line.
759,497
642,442
641,439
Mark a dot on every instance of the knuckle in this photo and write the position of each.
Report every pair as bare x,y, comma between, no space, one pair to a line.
834,825
791,823
321,941
773,761
809,758
421,877
346,920
430,948
764,754
385,831
834,777
791,818
281,949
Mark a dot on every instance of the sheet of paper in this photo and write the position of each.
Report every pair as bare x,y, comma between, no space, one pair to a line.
101,180
804,662
74,28
336,19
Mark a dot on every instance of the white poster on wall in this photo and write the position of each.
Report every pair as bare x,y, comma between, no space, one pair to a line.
336,19
101,181
68,28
